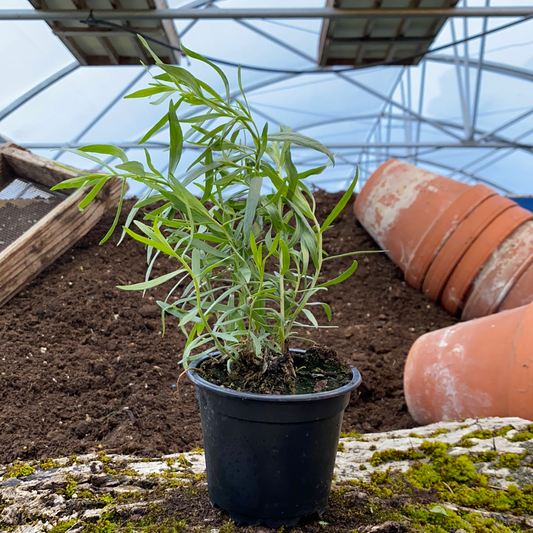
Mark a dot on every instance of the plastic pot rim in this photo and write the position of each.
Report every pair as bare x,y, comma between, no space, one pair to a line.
274,398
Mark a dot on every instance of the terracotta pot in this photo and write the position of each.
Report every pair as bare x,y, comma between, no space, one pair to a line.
478,254
457,244
400,203
439,232
521,293
500,273
479,368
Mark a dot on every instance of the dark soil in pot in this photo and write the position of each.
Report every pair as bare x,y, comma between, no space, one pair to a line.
83,366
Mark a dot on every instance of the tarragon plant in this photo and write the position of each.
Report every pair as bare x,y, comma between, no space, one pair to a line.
247,263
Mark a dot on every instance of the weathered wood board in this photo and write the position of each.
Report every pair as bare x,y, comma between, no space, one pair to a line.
55,232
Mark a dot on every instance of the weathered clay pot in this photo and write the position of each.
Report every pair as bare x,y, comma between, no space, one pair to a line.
479,368
521,293
478,254
443,227
500,273
459,242
398,206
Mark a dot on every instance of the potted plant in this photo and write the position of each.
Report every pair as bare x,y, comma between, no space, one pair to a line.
247,274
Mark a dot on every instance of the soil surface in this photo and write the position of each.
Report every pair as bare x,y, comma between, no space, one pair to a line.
84,367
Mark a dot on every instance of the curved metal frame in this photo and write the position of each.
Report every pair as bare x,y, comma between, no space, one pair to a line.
397,105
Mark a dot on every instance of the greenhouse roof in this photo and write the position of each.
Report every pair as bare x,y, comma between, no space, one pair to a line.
465,110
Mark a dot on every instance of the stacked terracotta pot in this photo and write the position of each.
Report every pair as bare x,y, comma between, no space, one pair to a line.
465,246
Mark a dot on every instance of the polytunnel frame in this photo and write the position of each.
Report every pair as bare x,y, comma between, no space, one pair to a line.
378,146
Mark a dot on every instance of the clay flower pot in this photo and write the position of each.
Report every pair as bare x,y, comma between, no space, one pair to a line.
479,368
479,253
500,273
521,293
399,205
459,242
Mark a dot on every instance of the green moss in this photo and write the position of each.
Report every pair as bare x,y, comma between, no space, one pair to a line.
228,527
385,456
362,467
182,460
523,435
85,494
434,450
372,447
48,464
351,434
103,457
340,447
423,476
509,460
484,457
465,443
70,489
437,432
106,499
18,469
416,436
61,527
437,519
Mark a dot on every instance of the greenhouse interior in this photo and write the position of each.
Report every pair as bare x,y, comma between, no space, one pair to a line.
266,266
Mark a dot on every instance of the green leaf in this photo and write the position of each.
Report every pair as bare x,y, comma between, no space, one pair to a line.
117,215
344,276
91,195
301,140
154,129
252,201
438,509
134,167
176,139
87,180
340,206
150,91
310,317
285,257
220,72
152,283
106,149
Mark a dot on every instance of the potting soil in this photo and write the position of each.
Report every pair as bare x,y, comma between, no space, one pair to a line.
84,366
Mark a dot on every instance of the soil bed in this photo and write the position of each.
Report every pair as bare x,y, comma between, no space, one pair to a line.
83,366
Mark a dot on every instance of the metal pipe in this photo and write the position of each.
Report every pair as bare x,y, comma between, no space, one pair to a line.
334,146
248,13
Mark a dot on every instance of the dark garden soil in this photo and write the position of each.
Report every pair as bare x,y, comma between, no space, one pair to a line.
83,365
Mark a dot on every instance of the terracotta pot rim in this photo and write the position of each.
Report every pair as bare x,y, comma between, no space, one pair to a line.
458,244
478,253
440,231
472,304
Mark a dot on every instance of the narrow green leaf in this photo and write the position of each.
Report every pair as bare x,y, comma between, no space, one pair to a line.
284,256
154,129
150,91
301,140
252,201
176,139
91,195
152,283
220,72
134,167
344,276
340,206
117,215
310,317
106,149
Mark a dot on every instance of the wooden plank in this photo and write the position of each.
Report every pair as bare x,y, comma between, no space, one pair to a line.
50,237
6,173
33,167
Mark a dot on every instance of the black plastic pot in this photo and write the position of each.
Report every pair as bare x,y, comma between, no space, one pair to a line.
270,459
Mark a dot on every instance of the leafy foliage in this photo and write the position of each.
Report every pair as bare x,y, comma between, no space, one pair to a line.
247,263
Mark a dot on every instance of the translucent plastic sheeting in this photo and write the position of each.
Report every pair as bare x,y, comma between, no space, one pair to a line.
465,111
